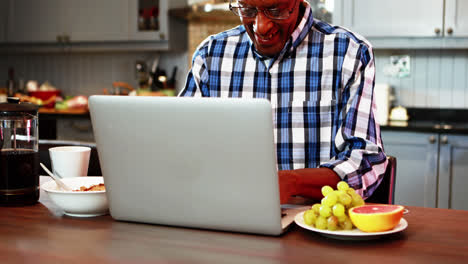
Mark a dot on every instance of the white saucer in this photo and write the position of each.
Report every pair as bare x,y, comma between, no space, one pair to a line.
85,215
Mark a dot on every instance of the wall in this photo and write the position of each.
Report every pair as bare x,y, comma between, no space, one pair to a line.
87,73
438,78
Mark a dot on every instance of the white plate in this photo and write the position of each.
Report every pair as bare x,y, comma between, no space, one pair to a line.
354,234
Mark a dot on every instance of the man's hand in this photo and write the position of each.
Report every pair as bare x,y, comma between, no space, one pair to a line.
305,182
287,185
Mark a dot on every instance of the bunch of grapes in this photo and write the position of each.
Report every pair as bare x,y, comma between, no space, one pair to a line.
332,212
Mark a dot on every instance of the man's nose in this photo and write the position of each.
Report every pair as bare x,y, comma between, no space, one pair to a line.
262,24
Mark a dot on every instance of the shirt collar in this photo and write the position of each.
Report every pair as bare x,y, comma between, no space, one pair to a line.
303,28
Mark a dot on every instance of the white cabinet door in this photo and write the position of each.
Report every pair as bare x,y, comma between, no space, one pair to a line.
36,21
453,176
456,18
80,21
396,18
416,174
91,20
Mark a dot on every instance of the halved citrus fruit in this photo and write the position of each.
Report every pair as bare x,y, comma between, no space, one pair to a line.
376,217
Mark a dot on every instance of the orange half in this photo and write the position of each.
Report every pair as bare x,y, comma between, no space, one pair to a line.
377,217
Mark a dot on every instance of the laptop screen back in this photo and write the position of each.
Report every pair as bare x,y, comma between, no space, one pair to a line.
192,162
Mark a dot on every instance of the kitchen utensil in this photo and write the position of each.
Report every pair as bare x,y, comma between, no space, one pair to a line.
56,179
19,153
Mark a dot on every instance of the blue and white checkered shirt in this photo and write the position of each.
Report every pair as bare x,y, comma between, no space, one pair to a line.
320,87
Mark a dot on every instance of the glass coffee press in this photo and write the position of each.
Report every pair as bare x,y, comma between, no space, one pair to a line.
19,153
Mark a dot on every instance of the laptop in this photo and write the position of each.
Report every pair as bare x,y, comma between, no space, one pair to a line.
206,163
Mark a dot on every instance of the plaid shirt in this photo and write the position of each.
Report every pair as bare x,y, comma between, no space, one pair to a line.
320,87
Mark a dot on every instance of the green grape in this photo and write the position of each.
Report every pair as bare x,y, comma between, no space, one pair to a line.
340,193
359,203
330,199
347,224
338,210
326,190
357,200
351,191
325,211
342,186
332,223
316,208
323,201
321,223
310,217
342,218
345,199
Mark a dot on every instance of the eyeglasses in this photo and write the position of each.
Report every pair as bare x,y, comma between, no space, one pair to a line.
251,12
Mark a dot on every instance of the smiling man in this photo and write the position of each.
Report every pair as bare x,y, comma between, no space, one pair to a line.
270,28
319,79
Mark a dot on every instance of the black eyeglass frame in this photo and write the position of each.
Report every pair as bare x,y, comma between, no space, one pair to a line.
236,11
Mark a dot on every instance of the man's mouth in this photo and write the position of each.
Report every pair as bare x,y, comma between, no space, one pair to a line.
266,39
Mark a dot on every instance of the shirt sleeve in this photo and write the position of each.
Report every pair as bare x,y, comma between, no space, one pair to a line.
196,84
361,160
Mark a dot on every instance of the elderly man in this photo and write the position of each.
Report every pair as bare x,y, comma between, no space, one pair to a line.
319,79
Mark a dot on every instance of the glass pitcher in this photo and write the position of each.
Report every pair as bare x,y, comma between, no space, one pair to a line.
19,153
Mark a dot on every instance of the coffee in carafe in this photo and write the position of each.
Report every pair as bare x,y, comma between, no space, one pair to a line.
19,156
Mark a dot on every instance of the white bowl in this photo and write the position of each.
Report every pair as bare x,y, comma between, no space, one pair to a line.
78,203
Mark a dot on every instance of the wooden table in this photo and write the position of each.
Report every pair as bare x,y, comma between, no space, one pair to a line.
42,234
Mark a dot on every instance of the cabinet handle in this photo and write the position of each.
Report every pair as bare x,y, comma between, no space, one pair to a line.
432,139
444,140
450,31
437,31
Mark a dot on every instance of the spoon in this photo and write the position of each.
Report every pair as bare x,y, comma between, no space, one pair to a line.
57,180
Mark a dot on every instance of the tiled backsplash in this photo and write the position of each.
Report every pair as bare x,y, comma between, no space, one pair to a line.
438,78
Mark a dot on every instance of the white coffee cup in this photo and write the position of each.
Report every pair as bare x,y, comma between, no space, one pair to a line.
70,161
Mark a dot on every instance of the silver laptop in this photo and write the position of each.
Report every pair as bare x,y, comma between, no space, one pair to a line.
205,163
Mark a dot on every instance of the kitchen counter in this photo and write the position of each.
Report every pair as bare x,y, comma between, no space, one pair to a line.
447,121
43,234
427,126
70,112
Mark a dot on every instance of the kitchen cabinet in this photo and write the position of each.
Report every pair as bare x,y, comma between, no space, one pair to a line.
417,167
3,20
88,22
39,21
431,168
456,20
67,21
400,23
453,168
135,33
400,18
